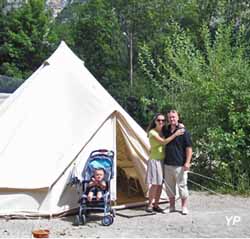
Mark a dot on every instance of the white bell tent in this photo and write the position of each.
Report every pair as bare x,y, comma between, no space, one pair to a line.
48,128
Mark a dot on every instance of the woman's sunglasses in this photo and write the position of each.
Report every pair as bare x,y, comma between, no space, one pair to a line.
160,120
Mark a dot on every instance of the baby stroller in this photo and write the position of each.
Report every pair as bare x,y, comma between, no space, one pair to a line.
98,159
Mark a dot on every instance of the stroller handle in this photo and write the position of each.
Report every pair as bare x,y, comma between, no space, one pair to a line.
104,152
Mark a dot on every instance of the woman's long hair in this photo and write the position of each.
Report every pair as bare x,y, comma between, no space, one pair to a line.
152,124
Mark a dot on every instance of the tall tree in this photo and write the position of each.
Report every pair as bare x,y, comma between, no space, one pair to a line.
25,38
98,40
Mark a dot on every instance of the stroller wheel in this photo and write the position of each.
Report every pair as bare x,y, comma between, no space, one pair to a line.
77,220
83,219
107,220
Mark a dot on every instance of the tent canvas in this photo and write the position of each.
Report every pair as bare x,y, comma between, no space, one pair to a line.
49,126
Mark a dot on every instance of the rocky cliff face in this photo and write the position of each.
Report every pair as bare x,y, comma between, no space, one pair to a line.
55,5
12,4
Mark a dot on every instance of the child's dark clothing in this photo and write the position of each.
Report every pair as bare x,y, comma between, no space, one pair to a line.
95,189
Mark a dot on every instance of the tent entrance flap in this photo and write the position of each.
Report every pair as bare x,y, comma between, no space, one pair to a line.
129,188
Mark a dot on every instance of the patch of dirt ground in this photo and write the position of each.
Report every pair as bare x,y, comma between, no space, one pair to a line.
209,216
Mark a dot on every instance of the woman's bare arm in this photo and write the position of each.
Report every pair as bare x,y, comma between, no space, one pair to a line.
170,138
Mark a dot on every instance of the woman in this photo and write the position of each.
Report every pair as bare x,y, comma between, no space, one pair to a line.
154,176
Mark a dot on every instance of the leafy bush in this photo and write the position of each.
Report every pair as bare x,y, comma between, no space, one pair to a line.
209,86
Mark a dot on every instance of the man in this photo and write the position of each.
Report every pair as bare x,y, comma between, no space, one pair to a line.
178,155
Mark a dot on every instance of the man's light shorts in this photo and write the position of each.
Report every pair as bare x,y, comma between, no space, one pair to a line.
176,177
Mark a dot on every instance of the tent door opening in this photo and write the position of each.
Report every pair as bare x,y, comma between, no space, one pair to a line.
129,189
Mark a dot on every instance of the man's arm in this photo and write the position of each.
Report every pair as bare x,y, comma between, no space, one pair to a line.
170,138
189,152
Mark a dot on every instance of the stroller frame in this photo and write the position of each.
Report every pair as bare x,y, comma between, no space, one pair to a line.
101,158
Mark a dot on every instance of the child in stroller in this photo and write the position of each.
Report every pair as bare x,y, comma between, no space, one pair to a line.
97,185
97,173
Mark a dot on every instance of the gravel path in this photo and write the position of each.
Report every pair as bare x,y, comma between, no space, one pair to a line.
210,216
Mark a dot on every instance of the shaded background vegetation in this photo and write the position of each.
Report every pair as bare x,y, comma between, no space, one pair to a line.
152,56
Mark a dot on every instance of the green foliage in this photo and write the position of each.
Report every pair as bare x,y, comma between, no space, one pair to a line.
210,88
96,37
64,23
25,38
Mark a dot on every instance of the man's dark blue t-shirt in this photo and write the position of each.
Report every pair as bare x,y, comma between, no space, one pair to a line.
175,151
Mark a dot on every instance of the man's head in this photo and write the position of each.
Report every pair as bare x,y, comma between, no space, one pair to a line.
173,117
99,174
